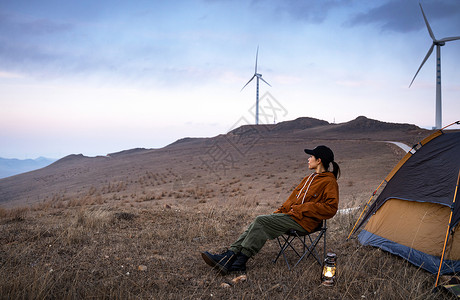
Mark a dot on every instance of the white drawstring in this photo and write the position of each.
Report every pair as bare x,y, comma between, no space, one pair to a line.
306,181
312,176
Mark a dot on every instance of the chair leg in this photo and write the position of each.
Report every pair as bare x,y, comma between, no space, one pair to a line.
317,240
307,249
283,247
311,250
324,248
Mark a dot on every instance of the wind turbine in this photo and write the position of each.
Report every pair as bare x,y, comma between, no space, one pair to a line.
438,44
258,76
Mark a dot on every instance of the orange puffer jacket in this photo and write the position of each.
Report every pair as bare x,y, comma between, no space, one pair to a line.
316,198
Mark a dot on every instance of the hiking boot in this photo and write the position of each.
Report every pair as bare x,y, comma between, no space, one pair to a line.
239,265
219,261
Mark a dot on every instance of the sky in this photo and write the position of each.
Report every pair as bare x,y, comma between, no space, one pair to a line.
98,77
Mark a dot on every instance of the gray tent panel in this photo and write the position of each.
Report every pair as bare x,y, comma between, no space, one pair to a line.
430,175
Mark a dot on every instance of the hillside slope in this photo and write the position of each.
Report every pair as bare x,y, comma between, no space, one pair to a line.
259,163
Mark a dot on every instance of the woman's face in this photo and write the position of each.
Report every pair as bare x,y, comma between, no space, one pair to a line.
313,162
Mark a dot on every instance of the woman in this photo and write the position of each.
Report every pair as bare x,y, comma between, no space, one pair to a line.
316,198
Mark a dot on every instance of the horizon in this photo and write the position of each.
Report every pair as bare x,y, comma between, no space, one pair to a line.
99,78
153,148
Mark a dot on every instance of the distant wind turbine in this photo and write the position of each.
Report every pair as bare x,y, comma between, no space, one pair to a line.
258,76
438,44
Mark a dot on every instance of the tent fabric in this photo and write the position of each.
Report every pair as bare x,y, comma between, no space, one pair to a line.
419,209
429,175
428,262
420,226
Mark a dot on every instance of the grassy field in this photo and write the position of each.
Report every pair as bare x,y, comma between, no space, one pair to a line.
153,252
132,225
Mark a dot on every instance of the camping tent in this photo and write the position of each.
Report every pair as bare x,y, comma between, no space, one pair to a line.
417,213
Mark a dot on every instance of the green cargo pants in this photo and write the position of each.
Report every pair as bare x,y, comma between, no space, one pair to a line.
264,227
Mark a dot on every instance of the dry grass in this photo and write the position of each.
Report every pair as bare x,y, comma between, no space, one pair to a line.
132,226
97,251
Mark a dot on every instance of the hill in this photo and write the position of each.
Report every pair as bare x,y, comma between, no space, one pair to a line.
204,168
132,224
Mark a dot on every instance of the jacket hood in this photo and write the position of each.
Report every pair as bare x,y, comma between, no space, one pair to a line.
326,174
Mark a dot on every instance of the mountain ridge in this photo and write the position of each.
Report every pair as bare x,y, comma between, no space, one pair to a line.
13,166
243,151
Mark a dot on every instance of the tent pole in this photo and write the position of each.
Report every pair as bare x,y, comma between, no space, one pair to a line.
457,122
447,232
365,207
443,250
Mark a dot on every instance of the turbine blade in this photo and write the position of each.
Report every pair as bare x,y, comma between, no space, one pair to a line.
264,80
427,24
248,82
423,62
448,39
257,55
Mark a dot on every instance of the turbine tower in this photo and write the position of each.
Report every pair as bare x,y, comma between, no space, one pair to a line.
258,76
438,44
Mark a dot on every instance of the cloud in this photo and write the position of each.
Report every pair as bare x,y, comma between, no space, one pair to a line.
359,83
27,43
10,75
103,49
14,25
309,11
405,16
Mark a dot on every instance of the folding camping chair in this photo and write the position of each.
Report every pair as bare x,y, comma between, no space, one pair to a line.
308,246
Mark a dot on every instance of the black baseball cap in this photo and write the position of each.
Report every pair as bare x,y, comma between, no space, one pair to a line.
323,152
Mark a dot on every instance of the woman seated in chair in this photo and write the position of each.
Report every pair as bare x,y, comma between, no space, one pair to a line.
316,198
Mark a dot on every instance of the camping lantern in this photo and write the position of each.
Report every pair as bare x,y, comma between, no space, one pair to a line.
329,270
